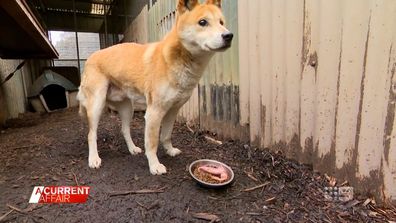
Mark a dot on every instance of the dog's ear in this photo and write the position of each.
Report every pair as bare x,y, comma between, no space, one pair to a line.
186,5
214,2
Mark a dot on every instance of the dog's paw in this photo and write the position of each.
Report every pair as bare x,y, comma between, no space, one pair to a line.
157,169
135,150
94,162
173,152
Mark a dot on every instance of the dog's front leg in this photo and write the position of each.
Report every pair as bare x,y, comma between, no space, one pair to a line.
166,131
153,119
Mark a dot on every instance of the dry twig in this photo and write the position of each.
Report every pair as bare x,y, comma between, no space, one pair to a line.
256,187
75,179
190,129
212,140
23,147
250,175
16,209
143,191
5,215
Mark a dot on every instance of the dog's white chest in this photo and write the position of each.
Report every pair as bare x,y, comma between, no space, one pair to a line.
172,95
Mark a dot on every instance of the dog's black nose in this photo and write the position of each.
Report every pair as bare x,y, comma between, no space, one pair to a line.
227,36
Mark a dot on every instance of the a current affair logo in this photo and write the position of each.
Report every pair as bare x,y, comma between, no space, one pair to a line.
59,194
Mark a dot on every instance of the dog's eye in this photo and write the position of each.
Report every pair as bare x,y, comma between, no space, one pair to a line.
203,22
221,22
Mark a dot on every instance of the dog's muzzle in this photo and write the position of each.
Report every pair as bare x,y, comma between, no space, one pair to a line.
227,37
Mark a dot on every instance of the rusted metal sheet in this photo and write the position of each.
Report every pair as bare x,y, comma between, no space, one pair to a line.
374,96
323,85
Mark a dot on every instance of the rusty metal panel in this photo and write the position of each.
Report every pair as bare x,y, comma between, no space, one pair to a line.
356,17
389,157
318,78
374,96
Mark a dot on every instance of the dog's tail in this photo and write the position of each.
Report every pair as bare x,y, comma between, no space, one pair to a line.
81,98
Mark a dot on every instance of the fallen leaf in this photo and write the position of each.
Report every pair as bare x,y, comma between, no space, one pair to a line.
206,217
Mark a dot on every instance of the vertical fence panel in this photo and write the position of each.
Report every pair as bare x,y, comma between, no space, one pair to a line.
293,48
254,58
308,77
327,66
375,89
325,71
278,70
354,37
243,34
389,156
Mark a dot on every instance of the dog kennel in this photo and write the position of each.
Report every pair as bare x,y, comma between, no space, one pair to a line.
51,92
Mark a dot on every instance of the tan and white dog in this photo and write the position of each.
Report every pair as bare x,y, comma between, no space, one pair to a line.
165,72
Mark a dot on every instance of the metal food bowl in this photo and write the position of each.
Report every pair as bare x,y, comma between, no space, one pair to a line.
203,162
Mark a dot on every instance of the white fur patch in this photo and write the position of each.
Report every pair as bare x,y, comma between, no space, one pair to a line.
172,96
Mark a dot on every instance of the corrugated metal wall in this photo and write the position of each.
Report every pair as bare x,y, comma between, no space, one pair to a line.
320,80
314,76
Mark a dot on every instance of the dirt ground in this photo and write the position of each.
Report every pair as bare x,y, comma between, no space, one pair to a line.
51,149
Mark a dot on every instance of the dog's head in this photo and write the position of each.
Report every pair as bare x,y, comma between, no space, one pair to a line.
201,27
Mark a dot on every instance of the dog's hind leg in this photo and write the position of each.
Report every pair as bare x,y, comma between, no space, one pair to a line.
95,104
94,112
125,110
166,131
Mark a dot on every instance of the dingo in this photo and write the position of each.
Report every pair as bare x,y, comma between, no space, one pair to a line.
165,72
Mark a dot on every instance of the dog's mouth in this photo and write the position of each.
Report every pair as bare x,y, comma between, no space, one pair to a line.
220,49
